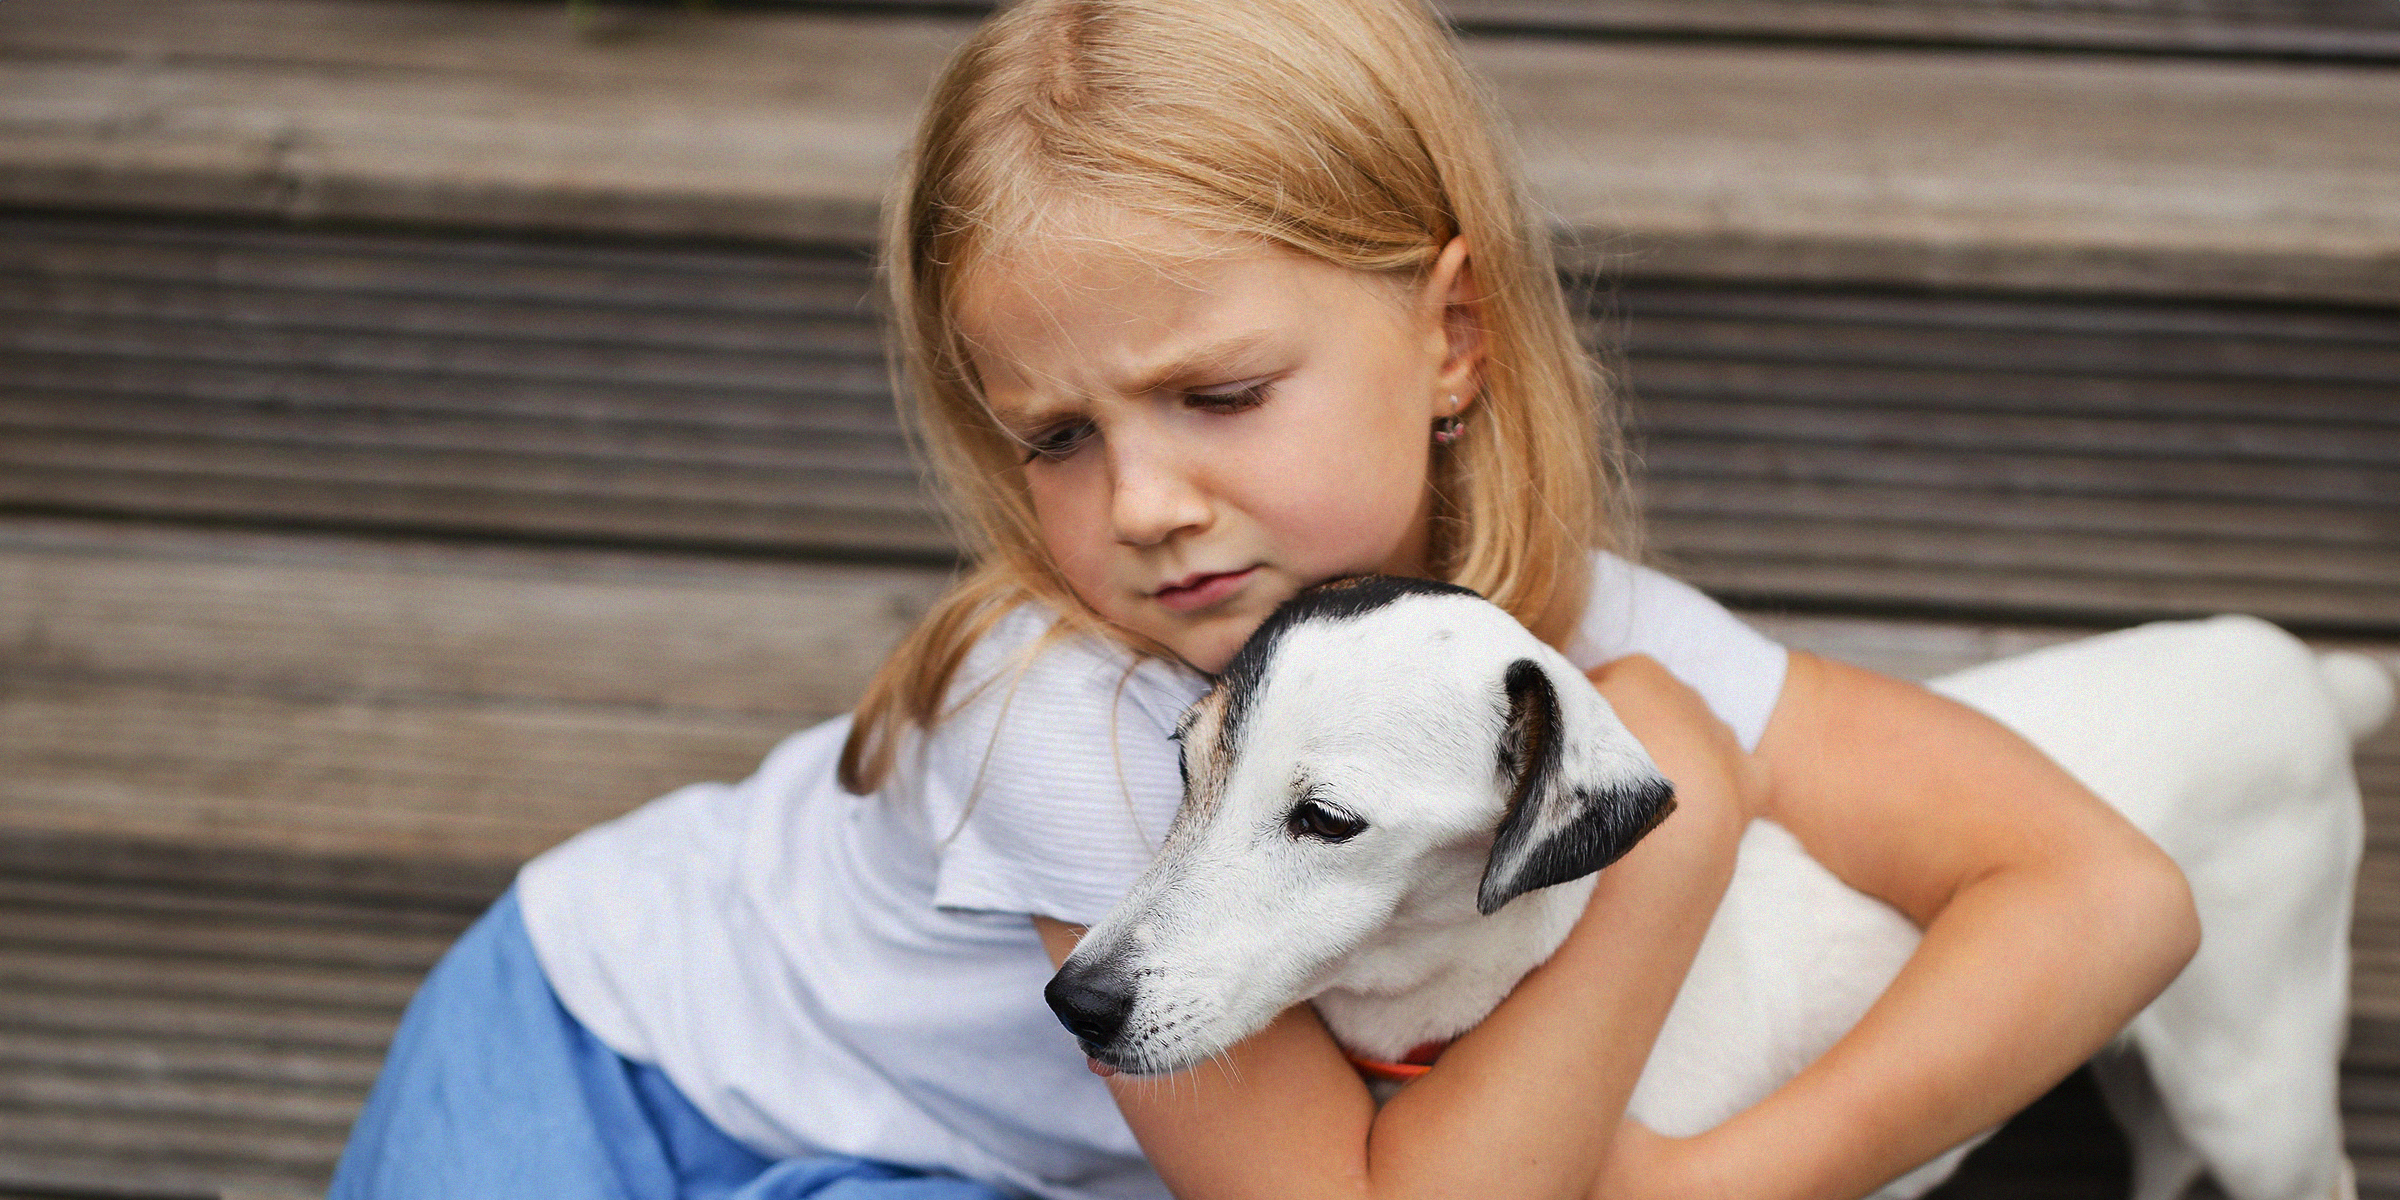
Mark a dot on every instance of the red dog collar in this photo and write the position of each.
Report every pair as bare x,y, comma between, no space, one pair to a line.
1412,1064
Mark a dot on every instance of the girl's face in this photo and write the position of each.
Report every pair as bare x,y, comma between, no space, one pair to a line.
1211,425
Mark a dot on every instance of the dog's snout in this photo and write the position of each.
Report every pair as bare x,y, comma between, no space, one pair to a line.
1091,1001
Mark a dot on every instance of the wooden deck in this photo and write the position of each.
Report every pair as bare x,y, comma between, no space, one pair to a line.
425,431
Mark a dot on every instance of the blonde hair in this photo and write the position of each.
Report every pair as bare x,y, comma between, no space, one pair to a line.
1345,130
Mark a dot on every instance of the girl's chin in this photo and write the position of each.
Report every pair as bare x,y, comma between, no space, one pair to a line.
1209,658
1213,643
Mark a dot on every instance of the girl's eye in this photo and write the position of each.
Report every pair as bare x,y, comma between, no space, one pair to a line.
1057,442
1231,399
1322,822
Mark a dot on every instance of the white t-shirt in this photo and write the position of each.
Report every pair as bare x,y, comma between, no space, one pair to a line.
821,972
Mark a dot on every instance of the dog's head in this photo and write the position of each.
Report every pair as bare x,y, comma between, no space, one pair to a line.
1382,755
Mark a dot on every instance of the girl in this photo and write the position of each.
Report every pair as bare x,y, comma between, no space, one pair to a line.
1201,303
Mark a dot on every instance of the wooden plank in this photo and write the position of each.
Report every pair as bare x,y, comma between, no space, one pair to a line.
2289,28
2295,442
360,931
181,1102
2272,27
829,405
120,1054
421,887
456,779
289,1026
1907,308
814,280
631,47
232,960
2020,595
1672,498
793,643
44,1174
2377,1134
2332,570
30,418
1660,376
167,1142
470,357
409,508
48,313
1969,470
2160,175
694,504
2145,352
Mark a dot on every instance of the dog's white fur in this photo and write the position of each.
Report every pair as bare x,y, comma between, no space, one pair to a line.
2226,740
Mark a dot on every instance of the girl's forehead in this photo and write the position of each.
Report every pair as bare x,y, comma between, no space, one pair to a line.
1113,285
1089,252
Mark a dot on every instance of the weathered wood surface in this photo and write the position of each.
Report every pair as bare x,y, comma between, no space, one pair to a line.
331,700
2162,175
2276,27
1809,446
2293,28
196,983
167,1038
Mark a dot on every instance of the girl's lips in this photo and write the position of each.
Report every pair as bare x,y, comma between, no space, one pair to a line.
1200,591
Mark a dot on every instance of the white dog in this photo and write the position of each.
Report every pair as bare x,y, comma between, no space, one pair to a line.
1403,862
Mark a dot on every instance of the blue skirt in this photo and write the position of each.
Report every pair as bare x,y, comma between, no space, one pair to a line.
493,1090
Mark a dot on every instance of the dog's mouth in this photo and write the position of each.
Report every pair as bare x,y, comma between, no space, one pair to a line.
1105,1062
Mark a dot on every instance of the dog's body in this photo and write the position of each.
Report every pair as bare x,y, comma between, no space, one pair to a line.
1404,862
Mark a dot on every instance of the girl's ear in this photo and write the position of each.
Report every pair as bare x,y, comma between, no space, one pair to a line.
1451,299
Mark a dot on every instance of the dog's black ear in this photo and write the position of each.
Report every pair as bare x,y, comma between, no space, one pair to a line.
1558,827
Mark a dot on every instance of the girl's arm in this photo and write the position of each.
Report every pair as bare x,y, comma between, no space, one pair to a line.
2049,922
1519,1106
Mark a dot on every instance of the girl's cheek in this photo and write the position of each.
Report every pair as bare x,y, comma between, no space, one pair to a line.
1064,516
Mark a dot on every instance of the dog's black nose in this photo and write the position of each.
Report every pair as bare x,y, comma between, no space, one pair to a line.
1089,1002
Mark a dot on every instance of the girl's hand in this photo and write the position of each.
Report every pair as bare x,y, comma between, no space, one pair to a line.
1522,1104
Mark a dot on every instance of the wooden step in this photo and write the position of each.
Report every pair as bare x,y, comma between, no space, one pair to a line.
1879,450
160,1037
346,697
1817,153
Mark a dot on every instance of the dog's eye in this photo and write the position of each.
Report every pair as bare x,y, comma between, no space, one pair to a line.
1310,819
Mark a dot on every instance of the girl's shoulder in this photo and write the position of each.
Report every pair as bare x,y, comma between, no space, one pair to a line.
1030,672
1634,609
1052,771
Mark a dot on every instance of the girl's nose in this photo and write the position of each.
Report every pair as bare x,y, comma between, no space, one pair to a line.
1155,496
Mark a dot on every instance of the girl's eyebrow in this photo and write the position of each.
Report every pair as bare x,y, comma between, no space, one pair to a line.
1202,361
